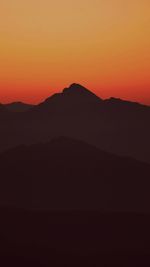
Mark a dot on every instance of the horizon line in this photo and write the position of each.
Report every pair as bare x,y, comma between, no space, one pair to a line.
57,92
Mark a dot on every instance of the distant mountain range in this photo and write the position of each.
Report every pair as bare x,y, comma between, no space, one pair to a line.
116,126
18,106
66,174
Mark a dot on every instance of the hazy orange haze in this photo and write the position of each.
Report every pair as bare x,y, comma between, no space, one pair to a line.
48,44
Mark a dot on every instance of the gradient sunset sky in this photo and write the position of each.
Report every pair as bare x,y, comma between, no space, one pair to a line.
48,44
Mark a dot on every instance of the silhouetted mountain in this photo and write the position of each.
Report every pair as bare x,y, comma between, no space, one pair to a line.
80,93
77,92
72,99
18,106
114,125
119,103
65,174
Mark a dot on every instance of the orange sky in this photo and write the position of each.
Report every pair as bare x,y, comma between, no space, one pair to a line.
48,44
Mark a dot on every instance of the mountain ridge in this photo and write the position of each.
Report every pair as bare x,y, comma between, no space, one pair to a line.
78,88
18,106
115,126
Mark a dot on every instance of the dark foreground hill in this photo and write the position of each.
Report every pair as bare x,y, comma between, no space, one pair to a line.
114,125
85,238
66,174
67,203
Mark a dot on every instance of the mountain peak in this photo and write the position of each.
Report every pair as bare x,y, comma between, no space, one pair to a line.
74,94
76,89
77,86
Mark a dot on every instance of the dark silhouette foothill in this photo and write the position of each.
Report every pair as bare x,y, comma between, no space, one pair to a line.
67,174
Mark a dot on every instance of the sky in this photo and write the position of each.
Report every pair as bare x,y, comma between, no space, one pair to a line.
46,45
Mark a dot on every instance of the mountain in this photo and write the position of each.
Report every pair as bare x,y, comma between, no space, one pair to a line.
114,125
67,174
18,106
76,92
79,93
74,98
